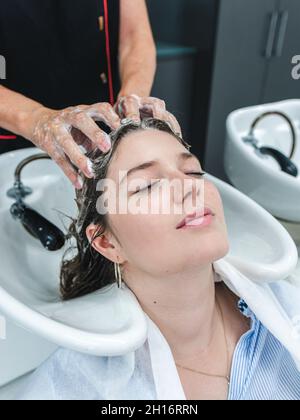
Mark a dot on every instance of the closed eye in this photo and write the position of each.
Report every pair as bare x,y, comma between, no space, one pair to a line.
149,187
196,173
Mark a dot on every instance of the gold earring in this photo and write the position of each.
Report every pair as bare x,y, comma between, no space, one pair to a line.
118,275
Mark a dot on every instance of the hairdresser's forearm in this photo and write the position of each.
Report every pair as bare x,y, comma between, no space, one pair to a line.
16,111
137,66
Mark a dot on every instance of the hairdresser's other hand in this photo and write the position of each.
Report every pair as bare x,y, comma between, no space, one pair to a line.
136,107
65,135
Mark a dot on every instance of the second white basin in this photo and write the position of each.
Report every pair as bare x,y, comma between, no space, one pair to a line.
260,177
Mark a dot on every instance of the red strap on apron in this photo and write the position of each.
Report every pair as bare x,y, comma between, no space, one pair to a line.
8,137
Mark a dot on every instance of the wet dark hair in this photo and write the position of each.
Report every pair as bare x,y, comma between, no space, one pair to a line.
88,270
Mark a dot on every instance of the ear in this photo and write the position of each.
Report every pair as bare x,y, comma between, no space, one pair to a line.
104,244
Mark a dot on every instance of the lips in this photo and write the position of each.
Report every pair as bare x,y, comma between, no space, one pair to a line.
194,216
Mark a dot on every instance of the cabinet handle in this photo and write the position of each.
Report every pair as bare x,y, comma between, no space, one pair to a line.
271,34
284,18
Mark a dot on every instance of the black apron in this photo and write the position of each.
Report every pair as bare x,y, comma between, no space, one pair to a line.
59,53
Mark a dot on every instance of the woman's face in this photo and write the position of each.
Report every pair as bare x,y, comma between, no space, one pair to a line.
150,242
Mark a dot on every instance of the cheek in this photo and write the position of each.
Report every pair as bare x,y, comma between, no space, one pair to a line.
140,231
213,199
147,240
222,245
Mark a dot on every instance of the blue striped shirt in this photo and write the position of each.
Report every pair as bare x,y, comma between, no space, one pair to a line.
262,369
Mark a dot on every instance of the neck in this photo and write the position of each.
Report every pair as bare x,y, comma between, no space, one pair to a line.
181,305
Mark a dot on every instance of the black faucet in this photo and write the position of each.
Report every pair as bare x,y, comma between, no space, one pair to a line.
50,236
285,162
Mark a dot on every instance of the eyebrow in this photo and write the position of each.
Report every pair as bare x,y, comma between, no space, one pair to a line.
182,156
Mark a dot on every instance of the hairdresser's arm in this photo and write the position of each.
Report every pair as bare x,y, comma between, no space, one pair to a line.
15,110
59,132
137,65
137,52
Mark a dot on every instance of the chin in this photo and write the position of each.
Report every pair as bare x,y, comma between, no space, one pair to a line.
210,251
222,251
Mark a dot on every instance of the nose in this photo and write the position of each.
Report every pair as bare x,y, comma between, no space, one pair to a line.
188,191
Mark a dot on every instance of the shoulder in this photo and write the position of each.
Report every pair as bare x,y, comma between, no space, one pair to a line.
64,360
65,374
272,364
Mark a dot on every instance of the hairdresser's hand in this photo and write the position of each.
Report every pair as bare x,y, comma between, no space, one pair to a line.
136,107
61,133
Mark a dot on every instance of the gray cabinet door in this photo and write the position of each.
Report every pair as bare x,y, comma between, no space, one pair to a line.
174,81
245,34
280,83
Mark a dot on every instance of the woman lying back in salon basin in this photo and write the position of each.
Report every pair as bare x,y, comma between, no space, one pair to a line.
219,348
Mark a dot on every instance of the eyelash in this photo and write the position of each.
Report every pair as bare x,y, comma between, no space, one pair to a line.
151,185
